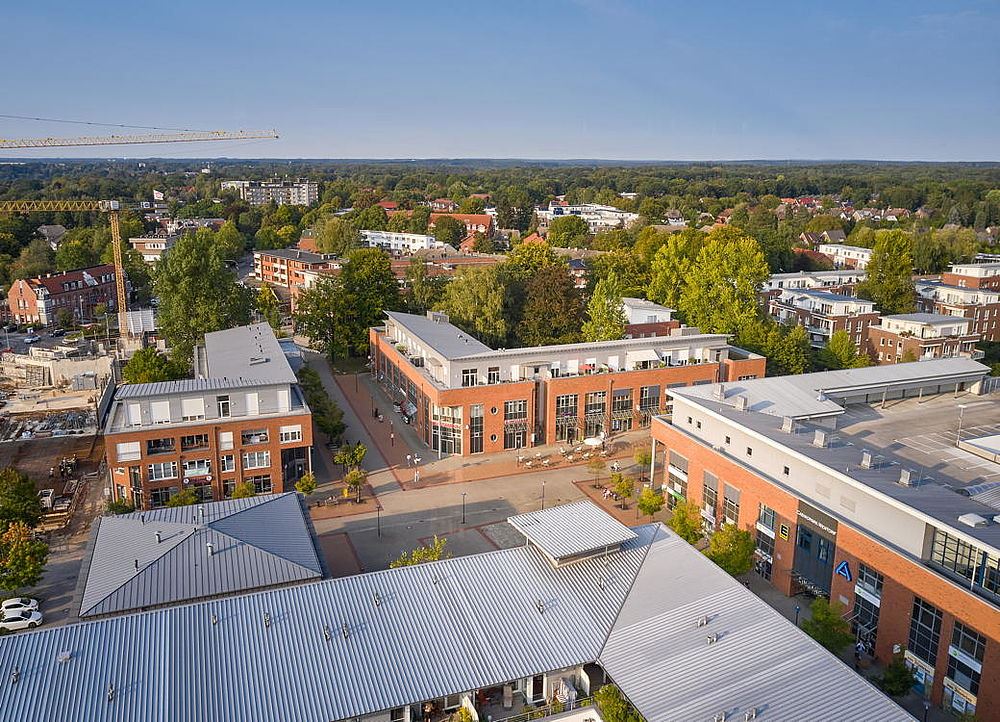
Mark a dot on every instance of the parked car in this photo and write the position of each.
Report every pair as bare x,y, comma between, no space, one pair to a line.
27,619
33,338
58,332
19,604
45,497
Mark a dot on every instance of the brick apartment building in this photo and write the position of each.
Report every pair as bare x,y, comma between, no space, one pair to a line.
285,267
39,300
243,419
921,336
843,281
823,313
980,305
474,222
855,488
973,275
464,397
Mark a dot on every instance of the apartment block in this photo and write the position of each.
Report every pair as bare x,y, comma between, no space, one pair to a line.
823,313
399,243
598,217
243,419
153,247
921,336
974,275
647,319
39,300
466,398
842,281
844,256
876,488
286,267
980,305
282,193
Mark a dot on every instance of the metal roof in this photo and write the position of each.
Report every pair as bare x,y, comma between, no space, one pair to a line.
183,386
759,661
931,318
571,529
258,542
247,352
445,338
419,633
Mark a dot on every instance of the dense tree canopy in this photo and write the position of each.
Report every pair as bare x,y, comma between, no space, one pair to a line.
889,279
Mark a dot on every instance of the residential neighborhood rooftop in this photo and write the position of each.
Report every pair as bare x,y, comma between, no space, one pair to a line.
247,352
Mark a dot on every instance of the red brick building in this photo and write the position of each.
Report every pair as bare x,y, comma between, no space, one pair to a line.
40,300
823,313
920,336
973,275
243,420
980,305
464,397
848,481
285,267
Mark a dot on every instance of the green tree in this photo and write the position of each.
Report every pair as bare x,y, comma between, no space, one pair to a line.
307,484
74,254
732,549
820,223
18,499
148,366
449,230
436,550
422,289
324,313
35,259
335,234
568,232
596,466
841,353
889,275
371,289
197,294
118,506
22,558
670,268
650,501
355,480
552,308
685,519
244,490
230,242
420,219
642,457
828,626
623,486
350,456
474,301
267,306
372,218
605,314
526,259
909,356
897,679
483,244
184,497
614,706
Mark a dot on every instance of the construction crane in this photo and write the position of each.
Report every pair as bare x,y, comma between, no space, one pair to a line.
186,137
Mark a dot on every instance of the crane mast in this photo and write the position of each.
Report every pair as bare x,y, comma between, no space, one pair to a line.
185,137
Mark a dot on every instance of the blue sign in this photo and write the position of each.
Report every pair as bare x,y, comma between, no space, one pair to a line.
843,570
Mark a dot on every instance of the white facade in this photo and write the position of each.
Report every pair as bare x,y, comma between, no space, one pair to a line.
813,279
925,325
844,255
639,310
599,218
400,242
259,193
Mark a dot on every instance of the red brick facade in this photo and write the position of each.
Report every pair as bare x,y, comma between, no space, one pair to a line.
41,300
887,347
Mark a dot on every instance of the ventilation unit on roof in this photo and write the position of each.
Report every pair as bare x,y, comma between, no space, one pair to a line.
908,477
720,392
867,460
257,360
821,439
974,520
742,403
788,424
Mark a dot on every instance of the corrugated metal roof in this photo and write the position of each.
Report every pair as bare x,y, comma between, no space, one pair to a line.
571,529
258,542
661,659
181,386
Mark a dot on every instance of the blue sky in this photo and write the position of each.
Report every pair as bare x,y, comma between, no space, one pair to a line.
544,79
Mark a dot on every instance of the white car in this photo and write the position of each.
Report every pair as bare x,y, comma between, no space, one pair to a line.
19,604
27,619
32,339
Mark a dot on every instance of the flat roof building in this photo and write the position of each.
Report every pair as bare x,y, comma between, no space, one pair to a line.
844,256
857,488
823,313
921,336
981,305
681,638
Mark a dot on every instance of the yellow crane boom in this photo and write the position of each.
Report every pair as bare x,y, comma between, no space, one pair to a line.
186,137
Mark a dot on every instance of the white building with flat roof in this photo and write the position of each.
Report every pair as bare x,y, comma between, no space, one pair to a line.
400,243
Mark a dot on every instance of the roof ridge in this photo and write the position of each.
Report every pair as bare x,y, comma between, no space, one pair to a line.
658,527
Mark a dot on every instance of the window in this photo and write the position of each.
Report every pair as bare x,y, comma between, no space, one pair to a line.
261,484
965,657
128,451
925,631
710,492
160,497
227,462
194,441
164,470
225,408
256,459
160,446
566,417
192,409
253,403
649,399
864,621
767,517
870,580
134,411
159,412
226,440
728,441
469,377
493,375
288,434
749,451
785,470
515,410
678,462
731,505
202,489
197,467
476,429
254,436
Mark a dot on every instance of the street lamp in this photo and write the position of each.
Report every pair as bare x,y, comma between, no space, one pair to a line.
463,507
797,610
543,493
961,414
378,520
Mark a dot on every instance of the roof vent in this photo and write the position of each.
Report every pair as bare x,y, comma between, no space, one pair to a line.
215,619
821,439
326,632
996,518
267,619
111,692
908,477
868,460
210,547
345,631
702,621
821,396
64,657
788,424
540,606
720,717
742,403
159,537
720,392
750,714
258,360
974,520
712,638
15,674
378,599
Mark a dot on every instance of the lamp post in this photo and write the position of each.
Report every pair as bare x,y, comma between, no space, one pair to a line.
543,494
378,520
927,708
463,507
961,415
797,610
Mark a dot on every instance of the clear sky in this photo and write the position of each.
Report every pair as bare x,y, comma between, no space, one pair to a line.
635,79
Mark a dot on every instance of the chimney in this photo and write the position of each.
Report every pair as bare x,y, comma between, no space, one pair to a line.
820,439
211,548
159,538
788,424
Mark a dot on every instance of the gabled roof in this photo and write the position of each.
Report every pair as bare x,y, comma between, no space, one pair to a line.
263,541
54,283
570,530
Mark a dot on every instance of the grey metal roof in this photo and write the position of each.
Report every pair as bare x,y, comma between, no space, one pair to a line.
258,542
571,529
247,352
440,628
925,317
826,295
447,339
660,658
813,395
181,386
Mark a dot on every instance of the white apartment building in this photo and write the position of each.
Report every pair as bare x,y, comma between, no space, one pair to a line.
822,313
844,256
399,243
599,218
288,193
814,279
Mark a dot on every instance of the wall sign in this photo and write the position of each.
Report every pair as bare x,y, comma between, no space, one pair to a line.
783,531
844,570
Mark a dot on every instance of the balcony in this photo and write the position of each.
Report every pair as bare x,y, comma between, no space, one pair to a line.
160,446
258,436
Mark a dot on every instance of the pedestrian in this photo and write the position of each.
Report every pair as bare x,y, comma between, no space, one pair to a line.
416,476
409,460
392,439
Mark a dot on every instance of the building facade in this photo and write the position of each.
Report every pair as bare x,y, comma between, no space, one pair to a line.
287,267
838,478
981,306
282,193
920,336
823,313
465,398
844,256
843,282
399,243
152,248
974,275
40,300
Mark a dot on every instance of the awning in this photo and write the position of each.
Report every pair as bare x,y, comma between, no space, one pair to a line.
641,355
